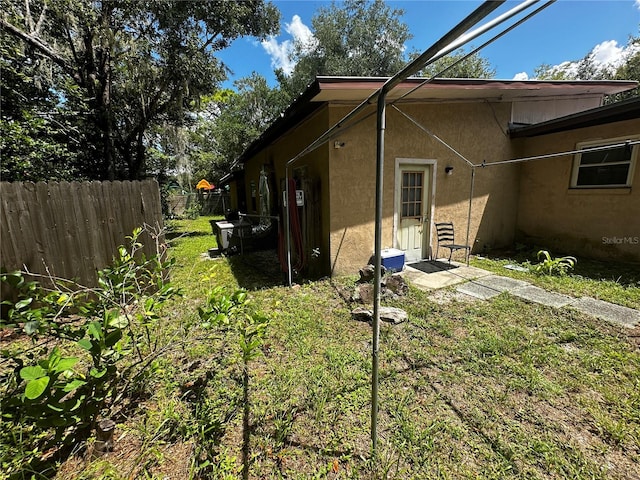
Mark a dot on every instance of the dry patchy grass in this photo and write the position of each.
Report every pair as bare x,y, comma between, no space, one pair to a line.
494,389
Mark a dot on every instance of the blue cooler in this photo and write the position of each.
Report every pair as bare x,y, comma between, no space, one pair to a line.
393,259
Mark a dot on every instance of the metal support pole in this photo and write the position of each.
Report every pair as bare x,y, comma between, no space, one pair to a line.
485,9
473,177
381,123
287,225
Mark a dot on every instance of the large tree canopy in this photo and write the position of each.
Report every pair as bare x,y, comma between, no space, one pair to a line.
128,64
38,139
351,38
357,37
455,65
236,119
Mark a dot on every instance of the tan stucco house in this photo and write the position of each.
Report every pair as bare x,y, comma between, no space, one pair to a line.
449,151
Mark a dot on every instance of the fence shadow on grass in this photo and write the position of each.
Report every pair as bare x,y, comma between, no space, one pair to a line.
174,235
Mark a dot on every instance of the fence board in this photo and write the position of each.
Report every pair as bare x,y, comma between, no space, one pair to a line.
110,196
12,219
72,229
24,224
78,217
40,216
86,216
99,243
58,217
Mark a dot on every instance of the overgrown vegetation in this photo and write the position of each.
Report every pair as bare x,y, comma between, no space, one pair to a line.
495,389
85,351
553,266
106,80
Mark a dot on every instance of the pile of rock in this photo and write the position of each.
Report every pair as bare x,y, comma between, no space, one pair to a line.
391,287
387,314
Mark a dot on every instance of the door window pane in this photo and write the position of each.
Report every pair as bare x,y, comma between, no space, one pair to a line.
412,191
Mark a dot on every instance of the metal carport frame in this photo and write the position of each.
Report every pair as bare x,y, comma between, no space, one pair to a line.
454,39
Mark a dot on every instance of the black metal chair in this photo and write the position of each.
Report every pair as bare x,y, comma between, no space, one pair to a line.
446,239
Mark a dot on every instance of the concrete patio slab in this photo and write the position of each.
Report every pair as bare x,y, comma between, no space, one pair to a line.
539,295
477,290
627,317
502,284
445,278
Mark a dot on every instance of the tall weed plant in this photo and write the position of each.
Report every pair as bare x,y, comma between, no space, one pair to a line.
88,349
548,265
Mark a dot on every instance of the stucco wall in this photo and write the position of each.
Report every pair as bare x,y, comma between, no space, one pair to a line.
531,200
600,223
476,130
312,171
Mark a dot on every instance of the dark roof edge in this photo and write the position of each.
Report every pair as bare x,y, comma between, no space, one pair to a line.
476,81
615,112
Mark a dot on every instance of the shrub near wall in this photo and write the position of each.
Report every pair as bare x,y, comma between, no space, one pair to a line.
206,204
73,229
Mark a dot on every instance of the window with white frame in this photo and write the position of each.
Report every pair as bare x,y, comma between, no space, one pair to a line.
605,164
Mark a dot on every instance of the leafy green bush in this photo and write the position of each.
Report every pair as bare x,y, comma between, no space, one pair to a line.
553,266
193,211
89,348
233,311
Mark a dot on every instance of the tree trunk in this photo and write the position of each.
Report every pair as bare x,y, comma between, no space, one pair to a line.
139,169
105,76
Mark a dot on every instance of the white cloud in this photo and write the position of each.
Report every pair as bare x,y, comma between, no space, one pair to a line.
608,53
280,52
521,76
300,32
638,4
606,56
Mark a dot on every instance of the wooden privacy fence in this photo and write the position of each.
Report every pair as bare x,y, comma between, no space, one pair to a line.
72,229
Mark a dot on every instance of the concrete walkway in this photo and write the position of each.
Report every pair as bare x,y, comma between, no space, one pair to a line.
432,275
484,285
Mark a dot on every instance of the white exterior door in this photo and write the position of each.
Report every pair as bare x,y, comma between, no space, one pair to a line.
413,211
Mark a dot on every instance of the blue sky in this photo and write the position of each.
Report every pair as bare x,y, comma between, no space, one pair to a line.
564,32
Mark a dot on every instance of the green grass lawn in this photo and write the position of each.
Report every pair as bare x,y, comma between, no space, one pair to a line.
468,389
609,281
